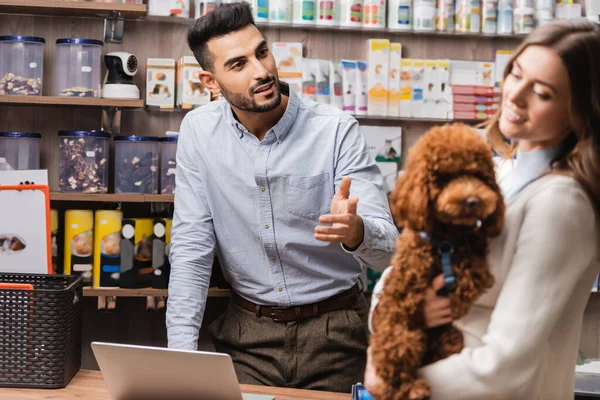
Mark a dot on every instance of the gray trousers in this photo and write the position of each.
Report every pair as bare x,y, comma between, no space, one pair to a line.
327,352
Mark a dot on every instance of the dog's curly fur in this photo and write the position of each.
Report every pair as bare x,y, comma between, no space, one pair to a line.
448,186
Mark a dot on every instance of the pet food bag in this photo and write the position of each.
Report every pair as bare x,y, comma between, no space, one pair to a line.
137,237
107,248
79,235
161,245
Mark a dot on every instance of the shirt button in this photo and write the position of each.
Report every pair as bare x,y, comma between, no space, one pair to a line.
262,188
266,226
272,258
280,290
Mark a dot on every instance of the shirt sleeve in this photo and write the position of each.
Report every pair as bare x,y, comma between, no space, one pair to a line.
353,160
554,251
192,248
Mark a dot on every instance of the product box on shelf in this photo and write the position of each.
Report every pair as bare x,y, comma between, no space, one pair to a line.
309,79
394,80
137,239
444,102
288,58
161,247
361,88
335,85
431,92
79,244
165,8
405,87
501,61
21,65
378,61
385,147
322,73
190,90
417,109
107,248
160,82
349,71
476,73
203,7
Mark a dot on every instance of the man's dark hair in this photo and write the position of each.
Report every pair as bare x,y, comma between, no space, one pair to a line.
225,19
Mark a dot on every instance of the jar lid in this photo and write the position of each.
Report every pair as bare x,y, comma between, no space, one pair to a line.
23,39
83,134
79,41
21,135
136,139
169,139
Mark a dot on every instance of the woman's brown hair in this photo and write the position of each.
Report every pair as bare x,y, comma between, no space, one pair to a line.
577,43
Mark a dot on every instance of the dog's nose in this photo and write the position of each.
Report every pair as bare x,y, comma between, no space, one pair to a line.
471,202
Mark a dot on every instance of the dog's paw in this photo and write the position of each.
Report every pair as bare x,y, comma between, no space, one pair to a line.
419,390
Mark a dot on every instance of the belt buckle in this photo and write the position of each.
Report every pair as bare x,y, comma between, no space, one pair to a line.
273,310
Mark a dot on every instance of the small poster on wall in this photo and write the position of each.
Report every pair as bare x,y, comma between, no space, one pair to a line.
25,245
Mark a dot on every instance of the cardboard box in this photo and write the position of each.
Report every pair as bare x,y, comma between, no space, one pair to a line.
474,73
418,89
405,87
160,82
378,61
190,90
288,57
394,80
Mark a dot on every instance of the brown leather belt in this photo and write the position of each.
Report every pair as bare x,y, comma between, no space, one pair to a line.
340,301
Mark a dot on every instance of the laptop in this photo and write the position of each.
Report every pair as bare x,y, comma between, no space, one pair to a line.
153,373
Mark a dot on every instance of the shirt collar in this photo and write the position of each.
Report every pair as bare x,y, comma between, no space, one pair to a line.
283,126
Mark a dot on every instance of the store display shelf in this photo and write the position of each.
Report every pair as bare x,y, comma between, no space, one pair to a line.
72,8
58,101
144,292
113,198
346,29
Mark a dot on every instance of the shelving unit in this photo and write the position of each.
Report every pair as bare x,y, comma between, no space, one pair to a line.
72,9
145,292
113,198
57,101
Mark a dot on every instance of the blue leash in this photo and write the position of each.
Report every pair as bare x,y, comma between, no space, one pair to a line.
445,249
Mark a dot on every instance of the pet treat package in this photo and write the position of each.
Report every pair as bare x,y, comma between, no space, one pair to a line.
165,8
161,244
374,13
431,94
378,61
328,13
394,80
288,57
361,88
107,248
137,239
473,73
190,91
349,85
79,240
351,13
418,89
444,98
160,82
53,238
323,86
335,85
309,79
304,12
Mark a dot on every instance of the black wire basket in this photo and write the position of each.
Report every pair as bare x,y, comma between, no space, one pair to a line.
40,330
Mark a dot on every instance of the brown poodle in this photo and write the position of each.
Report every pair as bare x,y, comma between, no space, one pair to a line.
448,204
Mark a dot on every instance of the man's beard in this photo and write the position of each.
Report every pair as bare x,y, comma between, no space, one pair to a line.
248,103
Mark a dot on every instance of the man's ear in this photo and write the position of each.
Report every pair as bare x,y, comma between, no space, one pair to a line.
208,80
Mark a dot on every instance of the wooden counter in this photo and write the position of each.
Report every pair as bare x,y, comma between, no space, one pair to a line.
89,385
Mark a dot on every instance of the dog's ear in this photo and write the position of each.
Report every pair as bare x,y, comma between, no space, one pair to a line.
409,201
495,222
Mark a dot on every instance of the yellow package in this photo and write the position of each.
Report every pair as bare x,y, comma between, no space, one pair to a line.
79,225
107,248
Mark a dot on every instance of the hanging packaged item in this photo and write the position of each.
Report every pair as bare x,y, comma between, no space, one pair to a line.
374,13
79,244
444,19
305,12
424,15
468,16
351,13
107,248
400,15
22,65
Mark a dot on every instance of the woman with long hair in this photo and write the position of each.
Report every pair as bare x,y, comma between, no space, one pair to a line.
521,337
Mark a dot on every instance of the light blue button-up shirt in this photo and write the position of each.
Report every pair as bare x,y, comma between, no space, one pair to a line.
257,203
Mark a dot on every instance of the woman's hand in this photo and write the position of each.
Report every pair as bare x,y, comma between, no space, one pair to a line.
436,309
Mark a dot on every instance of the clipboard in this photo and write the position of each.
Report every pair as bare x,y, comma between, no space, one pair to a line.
25,243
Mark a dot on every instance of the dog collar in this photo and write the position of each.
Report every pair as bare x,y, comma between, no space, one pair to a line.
445,248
